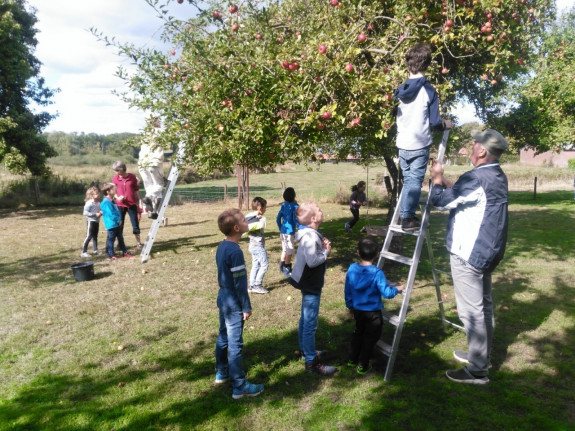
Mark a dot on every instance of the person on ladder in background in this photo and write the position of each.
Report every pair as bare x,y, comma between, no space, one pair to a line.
151,168
476,240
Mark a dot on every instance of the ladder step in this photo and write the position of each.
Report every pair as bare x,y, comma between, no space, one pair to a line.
397,257
397,228
383,348
388,316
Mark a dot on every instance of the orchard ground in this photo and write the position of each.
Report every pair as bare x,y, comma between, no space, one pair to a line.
133,348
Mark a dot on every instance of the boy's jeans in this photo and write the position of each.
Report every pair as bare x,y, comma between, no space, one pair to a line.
114,233
259,265
229,346
308,325
413,164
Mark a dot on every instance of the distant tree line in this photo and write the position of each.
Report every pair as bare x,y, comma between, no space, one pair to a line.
85,146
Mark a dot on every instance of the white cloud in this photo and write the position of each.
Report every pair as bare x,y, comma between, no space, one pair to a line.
83,68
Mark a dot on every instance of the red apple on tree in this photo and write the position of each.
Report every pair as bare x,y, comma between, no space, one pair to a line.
449,23
233,9
334,3
361,37
180,1
258,36
326,115
349,67
444,70
217,15
322,49
320,126
235,27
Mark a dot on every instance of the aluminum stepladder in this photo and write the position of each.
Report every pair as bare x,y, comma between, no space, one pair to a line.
167,194
394,229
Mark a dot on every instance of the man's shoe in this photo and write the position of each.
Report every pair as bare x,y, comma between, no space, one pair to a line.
85,254
128,255
221,378
147,201
316,367
462,356
248,390
464,376
258,289
410,224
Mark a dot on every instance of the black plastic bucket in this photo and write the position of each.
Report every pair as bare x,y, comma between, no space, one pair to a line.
83,271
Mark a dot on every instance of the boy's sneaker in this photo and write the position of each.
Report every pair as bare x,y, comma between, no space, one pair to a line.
97,252
316,367
128,255
464,376
221,378
85,254
248,390
113,257
258,289
347,228
301,357
361,370
410,224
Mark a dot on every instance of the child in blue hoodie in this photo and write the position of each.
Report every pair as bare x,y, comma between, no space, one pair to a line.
365,284
112,221
416,114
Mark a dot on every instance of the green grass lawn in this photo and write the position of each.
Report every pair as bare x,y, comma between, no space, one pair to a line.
133,348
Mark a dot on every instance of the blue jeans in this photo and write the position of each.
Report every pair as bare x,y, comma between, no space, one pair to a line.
308,325
133,213
259,265
413,165
112,235
229,346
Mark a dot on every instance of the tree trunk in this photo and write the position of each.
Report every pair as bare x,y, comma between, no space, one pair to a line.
243,174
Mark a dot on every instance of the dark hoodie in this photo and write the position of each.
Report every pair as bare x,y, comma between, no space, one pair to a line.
416,114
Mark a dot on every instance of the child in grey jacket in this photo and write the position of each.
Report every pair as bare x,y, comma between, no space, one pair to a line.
308,276
93,214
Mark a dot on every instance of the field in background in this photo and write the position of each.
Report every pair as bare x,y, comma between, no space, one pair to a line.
133,349
328,182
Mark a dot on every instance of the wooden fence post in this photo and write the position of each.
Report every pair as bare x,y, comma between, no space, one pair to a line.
535,188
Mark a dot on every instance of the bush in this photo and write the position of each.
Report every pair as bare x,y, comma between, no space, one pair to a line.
571,164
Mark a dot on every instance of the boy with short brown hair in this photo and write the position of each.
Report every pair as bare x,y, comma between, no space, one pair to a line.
234,305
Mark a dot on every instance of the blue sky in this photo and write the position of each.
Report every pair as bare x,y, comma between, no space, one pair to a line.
83,68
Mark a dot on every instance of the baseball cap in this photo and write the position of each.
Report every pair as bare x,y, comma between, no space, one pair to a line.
492,140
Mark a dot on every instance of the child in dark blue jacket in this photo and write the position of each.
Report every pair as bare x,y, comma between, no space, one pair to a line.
287,224
365,284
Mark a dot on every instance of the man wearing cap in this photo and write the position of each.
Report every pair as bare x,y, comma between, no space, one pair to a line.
476,238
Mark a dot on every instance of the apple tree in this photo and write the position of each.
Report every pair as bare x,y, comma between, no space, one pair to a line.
260,83
22,147
544,115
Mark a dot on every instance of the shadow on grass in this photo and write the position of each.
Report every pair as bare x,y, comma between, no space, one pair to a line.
418,397
535,394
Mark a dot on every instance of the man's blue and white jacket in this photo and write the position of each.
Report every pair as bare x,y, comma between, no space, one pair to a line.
416,114
477,226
